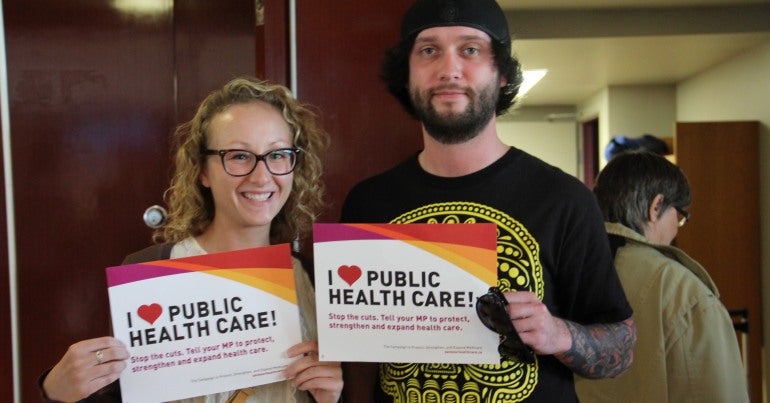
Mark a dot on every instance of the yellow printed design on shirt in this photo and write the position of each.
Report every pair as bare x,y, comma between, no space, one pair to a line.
518,267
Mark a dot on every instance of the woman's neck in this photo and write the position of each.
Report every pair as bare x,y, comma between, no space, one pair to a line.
215,238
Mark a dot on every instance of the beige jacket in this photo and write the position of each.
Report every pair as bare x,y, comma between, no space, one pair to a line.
687,349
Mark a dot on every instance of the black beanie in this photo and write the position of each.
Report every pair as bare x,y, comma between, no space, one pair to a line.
485,15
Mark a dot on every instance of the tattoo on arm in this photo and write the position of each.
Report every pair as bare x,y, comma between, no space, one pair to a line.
600,350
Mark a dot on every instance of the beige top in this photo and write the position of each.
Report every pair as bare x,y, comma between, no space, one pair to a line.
686,349
278,392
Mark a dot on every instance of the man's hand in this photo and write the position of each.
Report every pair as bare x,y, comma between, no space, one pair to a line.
537,328
601,350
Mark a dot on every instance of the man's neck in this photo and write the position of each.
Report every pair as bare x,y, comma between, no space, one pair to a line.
452,160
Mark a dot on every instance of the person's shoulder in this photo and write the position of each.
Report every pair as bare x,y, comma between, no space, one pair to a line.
389,175
538,170
384,181
150,253
690,281
676,279
302,263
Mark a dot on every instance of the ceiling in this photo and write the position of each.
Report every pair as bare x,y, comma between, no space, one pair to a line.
588,45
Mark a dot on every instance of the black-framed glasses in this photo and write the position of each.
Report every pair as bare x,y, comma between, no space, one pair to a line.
683,216
491,308
281,161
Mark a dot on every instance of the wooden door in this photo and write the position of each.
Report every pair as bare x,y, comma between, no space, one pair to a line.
91,107
6,351
339,50
590,152
721,162
95,92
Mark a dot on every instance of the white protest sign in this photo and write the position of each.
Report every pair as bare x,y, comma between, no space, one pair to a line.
404,292
204,324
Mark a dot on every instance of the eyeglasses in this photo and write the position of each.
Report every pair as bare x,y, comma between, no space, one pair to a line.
491,308
683,216
241,162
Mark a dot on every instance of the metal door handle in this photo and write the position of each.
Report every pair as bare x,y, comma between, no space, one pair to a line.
155,216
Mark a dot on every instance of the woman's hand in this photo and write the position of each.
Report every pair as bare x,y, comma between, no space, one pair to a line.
323,379
86,367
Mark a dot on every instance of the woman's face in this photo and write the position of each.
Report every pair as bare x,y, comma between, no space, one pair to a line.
663,229
255,199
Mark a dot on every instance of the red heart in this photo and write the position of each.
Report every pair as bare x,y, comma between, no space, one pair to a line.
349,273
150,313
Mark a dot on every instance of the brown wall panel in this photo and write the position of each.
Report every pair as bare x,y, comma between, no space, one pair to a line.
6,370
339,50
93,94
272,42
91,97
214,42
721,162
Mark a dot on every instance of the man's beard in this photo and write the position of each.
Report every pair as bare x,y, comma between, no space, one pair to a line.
457,127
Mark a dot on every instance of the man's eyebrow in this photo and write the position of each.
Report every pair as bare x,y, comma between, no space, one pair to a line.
469,37
423,39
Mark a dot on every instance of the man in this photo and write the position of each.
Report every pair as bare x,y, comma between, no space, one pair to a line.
687,350
453,70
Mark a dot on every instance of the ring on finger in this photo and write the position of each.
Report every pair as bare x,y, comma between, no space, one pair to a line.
99,356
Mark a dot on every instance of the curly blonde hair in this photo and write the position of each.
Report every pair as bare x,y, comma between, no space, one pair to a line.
191,205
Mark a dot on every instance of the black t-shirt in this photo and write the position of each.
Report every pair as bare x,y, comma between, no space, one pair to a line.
551,241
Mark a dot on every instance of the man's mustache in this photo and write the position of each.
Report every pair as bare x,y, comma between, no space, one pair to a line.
451,87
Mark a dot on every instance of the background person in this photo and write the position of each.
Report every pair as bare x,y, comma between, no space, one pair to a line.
687,349
453,70
267,191
645,142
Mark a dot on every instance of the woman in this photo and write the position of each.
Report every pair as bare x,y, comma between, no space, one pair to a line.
247,175
686,349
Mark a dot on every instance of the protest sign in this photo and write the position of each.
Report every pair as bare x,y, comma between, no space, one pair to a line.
404,292
204,324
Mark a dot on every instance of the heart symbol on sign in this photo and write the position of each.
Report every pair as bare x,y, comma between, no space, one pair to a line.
150,313
349,273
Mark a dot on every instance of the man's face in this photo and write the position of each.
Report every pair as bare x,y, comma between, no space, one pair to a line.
453,82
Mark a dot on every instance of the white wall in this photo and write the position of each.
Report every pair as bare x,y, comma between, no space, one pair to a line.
621,110
631,111
739,90
638,110
553,142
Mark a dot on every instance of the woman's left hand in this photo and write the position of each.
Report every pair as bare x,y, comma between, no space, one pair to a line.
322,379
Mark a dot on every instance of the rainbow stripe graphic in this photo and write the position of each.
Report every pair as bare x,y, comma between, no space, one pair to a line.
267,268
473,249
